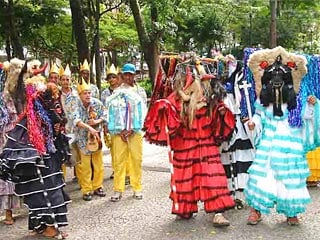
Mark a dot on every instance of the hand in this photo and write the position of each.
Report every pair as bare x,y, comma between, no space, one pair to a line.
312,100
94,132
93,122
251,125
125,134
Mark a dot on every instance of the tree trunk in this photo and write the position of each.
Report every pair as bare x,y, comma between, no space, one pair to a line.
79,30
273,24
11,31
148,44
96,44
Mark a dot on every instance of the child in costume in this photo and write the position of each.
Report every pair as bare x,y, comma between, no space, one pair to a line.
277,176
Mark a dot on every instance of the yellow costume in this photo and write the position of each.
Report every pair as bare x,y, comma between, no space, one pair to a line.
313,158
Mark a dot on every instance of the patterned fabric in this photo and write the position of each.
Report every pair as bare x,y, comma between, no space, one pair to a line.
104,95
63,99
126,110
94,91
77,112
141,92
279,171
38,178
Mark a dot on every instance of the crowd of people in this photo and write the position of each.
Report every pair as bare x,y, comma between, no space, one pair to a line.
227,136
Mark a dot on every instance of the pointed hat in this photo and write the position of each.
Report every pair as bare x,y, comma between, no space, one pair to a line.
112,70
84,66
83,86
54,69
66,71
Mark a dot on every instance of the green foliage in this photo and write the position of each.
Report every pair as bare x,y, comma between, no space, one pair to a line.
147,85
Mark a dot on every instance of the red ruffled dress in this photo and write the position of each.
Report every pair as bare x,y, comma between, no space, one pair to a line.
198,173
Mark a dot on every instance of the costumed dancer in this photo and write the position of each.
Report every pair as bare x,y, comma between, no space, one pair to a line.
277,176
8,118
88,115
34,152
126,112
237,154
197,121
312,84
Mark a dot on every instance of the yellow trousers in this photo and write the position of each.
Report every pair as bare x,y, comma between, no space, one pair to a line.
125,154
313,158
84,171
64,171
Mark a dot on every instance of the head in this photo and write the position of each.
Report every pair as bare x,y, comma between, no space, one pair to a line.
128,72
54,74
65,82
84,91
85,74
114,80
85,97
85,70
53,77
65,78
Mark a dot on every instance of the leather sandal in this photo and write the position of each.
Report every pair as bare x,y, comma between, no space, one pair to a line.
220,221
137,195
292,221
87,197
99,192
254,217
116,197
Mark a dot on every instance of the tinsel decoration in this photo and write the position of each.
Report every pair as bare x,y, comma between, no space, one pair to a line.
310,85
247,75
46,125
33,124
4,115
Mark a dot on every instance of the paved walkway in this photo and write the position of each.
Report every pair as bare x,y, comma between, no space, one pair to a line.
150,218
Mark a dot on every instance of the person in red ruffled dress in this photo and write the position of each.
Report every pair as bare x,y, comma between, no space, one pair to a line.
193,121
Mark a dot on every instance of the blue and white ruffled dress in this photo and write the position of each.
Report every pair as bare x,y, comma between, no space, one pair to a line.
277,176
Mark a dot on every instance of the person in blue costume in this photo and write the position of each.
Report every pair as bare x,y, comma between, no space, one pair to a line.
277,176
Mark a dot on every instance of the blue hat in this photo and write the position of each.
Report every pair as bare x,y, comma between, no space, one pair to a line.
128,68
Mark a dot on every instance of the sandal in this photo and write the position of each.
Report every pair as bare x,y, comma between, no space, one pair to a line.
254,217
87,197
57,234
99,192
292,221
220,221
116,197
8,221
137,195
184,216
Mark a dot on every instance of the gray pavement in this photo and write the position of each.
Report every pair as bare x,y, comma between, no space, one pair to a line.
151,218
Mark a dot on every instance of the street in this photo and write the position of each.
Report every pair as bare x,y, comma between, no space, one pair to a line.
151,218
